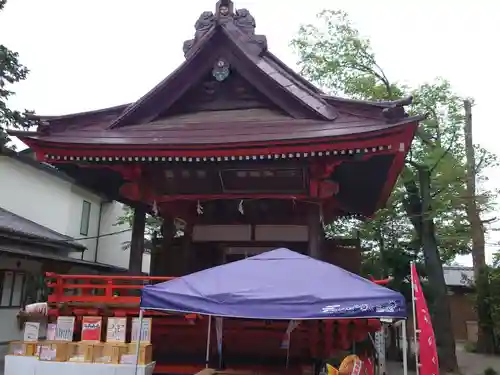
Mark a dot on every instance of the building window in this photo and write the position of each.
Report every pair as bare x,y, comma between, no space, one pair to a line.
84,223
12,284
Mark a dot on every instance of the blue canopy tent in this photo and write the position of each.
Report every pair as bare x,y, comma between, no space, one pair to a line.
276,285
279,284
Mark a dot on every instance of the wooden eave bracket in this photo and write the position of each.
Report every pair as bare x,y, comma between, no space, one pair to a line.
396,111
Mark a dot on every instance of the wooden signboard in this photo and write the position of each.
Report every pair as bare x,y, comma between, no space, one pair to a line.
116,330
31,331
145,330
51,331
65,327
91,328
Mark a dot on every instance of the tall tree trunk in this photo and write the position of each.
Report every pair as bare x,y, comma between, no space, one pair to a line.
478,255
485,342
445,339
418,207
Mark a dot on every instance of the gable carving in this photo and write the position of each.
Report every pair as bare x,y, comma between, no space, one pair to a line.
214,94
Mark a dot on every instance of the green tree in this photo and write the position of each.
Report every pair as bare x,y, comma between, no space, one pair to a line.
153,226
493,299
426,218
11,72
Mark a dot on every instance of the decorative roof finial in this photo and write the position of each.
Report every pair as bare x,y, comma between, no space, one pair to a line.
224,10
235,22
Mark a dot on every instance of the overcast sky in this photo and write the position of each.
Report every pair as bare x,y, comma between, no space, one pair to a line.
89,54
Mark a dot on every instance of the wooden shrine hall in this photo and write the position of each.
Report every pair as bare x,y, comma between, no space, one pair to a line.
234,150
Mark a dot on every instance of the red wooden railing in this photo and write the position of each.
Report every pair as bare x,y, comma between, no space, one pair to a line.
97,289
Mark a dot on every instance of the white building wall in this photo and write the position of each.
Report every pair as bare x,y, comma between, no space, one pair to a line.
111,245
9,330
34,195
57,204
458,276
112,249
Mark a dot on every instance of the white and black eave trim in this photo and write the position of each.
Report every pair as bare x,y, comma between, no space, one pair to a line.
205,159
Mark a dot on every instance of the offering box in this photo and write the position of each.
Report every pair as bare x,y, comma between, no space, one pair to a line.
145,354
56,351
22,348
80,351
108,352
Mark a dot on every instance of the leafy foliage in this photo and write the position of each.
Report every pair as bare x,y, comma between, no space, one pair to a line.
494,302
426,217
333,54
490,371
11,72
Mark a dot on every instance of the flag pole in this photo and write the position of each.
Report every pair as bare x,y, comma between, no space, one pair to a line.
415,331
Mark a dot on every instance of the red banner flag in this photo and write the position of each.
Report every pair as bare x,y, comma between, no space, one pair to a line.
429,364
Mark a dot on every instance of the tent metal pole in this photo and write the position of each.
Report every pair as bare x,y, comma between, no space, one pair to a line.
138,344
207,357
288,354
405,348
219,325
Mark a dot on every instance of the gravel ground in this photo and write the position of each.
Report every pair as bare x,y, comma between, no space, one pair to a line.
470,363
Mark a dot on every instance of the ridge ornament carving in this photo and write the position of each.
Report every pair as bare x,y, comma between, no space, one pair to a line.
242,22
245,21
204,23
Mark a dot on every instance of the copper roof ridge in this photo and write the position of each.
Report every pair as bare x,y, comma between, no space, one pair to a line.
292,72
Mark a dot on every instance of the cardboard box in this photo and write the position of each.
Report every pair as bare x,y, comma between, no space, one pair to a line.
22,348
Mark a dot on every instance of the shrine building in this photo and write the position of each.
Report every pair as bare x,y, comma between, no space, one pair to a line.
235,151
